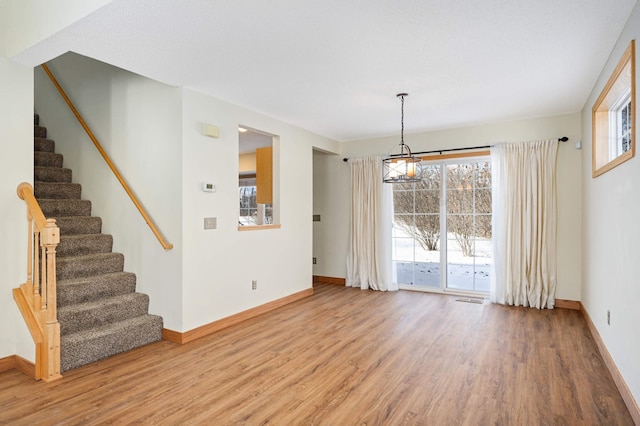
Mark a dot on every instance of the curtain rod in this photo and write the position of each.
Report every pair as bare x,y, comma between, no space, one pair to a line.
440,151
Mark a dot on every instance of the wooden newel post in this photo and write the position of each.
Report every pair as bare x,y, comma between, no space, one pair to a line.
50,238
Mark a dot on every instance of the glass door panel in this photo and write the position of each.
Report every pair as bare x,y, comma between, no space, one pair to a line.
416,230
468,227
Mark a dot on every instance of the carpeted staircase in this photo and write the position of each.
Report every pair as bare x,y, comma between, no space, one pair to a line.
99,311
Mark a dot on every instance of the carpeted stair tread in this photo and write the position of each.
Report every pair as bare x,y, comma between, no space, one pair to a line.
57,190
54,208
87,289
44,145
51,174
79,244
98,313
39,131
87,265
92,345
48,159
72,225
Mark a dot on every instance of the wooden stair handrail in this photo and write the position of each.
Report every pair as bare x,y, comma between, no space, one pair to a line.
25,192
134,199
36,298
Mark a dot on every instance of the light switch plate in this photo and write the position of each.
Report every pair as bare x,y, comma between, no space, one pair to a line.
210,223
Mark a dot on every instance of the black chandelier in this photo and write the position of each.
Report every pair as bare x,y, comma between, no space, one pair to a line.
402,167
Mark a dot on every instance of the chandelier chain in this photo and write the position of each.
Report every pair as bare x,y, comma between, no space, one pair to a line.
402,119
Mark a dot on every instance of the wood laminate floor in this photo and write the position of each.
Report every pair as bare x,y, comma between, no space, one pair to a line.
345,357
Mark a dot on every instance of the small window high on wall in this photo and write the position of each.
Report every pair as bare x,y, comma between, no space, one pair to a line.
256,192
613,117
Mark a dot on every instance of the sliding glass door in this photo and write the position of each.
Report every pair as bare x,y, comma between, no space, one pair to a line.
442,228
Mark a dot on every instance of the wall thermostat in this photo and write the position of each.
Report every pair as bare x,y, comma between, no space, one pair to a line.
208,187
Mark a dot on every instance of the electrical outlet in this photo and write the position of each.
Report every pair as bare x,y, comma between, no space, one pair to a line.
254,284
315,260
608,317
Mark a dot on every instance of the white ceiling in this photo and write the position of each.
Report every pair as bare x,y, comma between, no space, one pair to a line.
335,66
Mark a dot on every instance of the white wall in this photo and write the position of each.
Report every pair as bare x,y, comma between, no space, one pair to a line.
611,229
3,28
331,187
138,123
16,163
220,264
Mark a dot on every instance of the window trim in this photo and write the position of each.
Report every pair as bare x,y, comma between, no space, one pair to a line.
602,121
259,227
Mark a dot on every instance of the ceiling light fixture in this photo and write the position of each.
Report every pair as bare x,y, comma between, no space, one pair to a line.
403,167
241,129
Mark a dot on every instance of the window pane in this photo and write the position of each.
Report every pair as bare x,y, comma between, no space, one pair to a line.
402,225
483,201
460,186
483,226
461,230
426,268
427,231
427,201
459,201
430,177
403,202
403,186
403,253
483,175
625,143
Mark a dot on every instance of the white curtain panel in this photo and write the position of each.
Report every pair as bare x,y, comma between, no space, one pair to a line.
369,255
524,223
